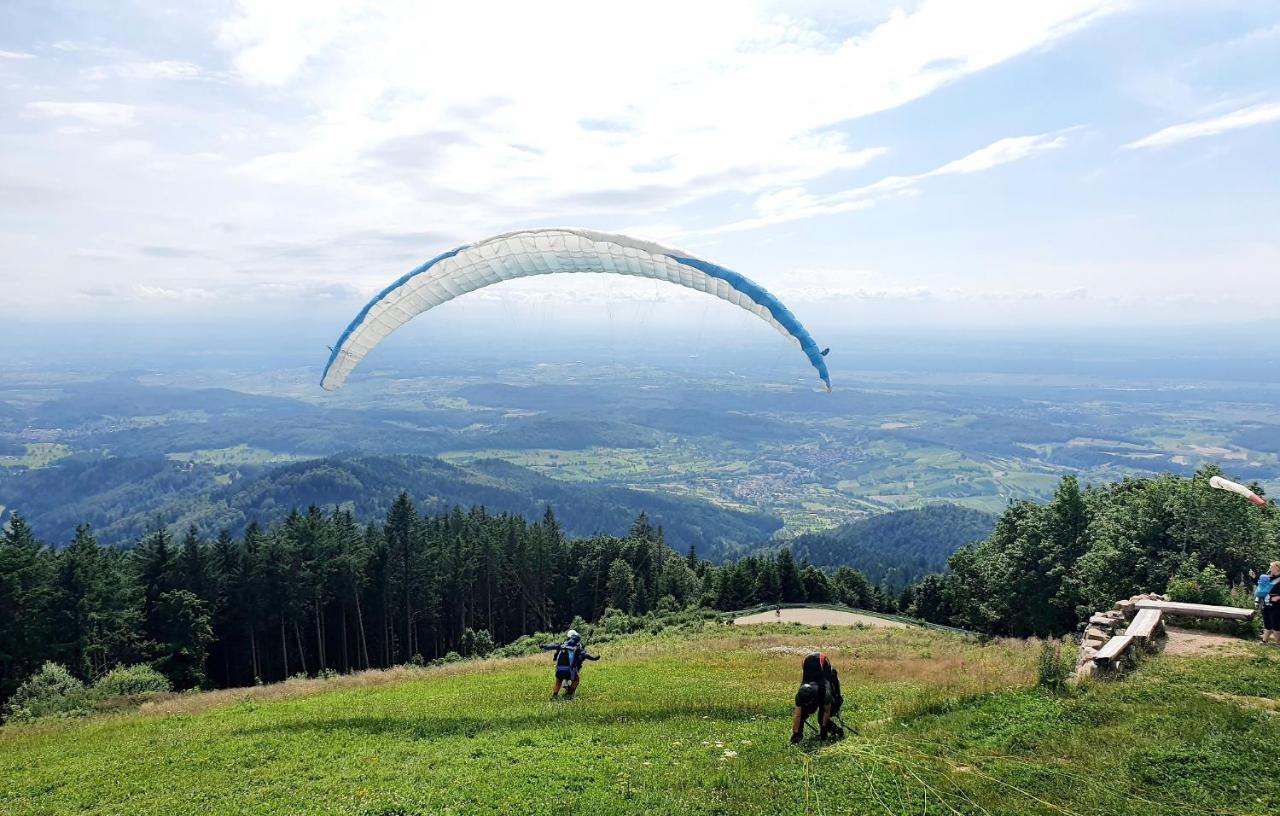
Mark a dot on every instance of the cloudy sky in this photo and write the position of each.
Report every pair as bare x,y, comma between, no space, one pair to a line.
1061,161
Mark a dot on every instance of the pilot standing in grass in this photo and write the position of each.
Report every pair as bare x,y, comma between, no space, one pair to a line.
569,658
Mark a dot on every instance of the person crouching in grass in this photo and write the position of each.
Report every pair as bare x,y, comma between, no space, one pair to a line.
819,693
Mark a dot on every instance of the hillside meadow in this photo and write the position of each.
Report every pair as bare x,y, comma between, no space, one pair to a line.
690,724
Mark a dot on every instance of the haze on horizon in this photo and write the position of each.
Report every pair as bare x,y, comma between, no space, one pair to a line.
1062,164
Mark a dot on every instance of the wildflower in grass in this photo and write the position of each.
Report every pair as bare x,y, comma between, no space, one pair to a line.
730,754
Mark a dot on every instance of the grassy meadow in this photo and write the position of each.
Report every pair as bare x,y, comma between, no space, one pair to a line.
693,724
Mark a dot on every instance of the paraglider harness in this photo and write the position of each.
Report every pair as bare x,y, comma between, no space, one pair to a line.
567,659
820,682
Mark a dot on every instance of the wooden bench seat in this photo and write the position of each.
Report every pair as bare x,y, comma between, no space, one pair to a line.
1198,610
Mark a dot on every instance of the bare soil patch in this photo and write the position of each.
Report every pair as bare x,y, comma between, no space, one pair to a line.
1193,643
818,617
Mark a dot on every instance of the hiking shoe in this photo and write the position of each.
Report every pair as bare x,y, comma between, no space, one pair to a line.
796,737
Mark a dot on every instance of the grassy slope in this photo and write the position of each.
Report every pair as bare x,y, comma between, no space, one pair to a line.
948,726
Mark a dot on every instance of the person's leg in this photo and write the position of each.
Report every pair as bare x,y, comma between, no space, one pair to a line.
573,687
826,719
555,692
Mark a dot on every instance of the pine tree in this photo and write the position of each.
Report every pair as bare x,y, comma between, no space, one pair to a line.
620,589
789,577
183,636
156,566
401,533
25,594
193,569
768,586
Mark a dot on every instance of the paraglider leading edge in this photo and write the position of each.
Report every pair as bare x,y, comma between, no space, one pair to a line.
550,251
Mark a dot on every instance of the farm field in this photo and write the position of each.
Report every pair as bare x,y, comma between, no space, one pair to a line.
884,442
694,724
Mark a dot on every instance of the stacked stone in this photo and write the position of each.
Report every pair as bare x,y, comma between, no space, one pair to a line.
1103,626
1130,606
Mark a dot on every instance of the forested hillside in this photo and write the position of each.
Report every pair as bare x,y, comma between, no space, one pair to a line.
122,498
896,549
1047,566
324,591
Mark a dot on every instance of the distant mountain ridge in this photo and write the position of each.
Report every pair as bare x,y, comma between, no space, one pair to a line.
121,497
897,548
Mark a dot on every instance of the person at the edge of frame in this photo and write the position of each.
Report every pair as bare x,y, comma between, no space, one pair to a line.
1267,594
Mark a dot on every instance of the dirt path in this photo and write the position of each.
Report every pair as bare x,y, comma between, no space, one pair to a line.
818,617
1193,643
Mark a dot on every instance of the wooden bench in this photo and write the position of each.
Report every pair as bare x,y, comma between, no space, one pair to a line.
1198,610
1113,649
1144,624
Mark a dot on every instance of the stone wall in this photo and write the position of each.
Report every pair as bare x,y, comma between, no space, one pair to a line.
1102,626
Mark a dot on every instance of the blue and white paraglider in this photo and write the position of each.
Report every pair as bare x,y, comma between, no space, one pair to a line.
548,252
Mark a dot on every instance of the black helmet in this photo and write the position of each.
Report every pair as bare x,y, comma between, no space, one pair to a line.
807,695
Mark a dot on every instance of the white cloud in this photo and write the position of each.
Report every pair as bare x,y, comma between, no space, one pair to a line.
1251,116
160,70
188,294
696,100
796,203
98,114
1001,152
16,55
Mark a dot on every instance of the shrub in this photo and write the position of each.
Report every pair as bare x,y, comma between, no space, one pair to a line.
51,690
129,681
476,644
1208,586
668,603
1052,667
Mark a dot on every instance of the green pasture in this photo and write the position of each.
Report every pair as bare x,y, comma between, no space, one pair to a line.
942,724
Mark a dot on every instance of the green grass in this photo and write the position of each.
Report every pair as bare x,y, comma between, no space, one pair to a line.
38,455
946,725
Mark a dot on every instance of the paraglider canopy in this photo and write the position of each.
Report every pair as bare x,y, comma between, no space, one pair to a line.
545,252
